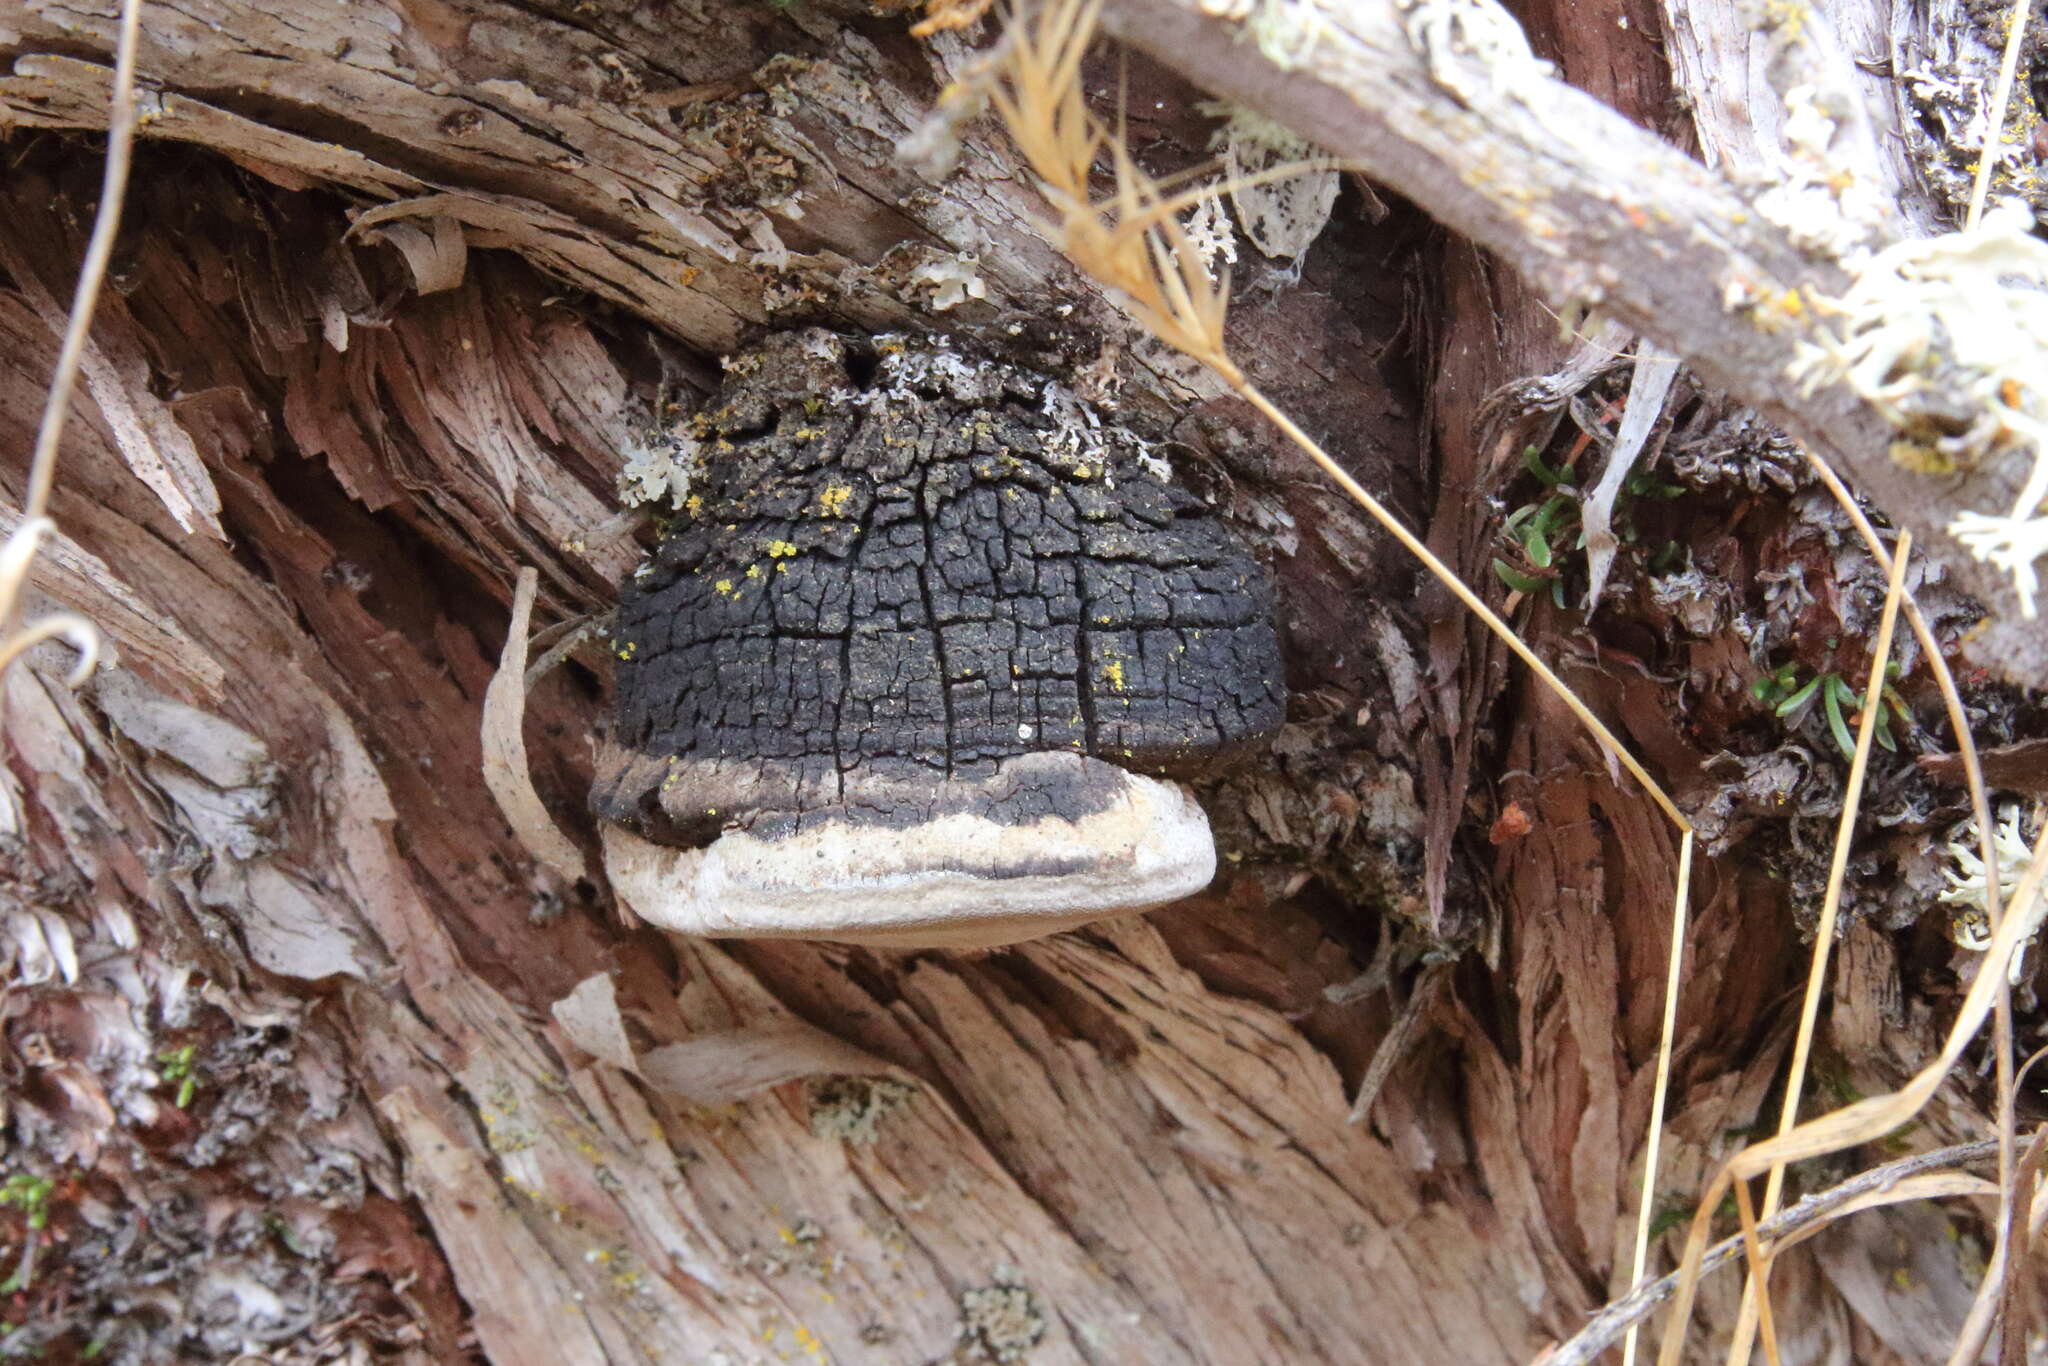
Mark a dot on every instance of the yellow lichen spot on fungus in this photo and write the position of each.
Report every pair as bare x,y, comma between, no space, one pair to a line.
723,587
753,571
779,550
693,505
1113,673
834,499
626,651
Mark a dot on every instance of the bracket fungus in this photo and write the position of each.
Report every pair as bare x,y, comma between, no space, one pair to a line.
920,660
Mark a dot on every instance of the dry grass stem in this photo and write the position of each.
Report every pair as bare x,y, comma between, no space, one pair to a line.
106,225
1133,241
2001,97
18,555
1756,1299
1980,810
1863,1120
1918,1177
1990,1290
1667,1034
1471,600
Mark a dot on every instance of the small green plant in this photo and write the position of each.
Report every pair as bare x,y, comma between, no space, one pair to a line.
1549,528
1543,529
32,1194
1672,1211
1791,700
178,1066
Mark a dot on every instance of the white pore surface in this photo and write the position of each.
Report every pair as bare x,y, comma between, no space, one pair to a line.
961,881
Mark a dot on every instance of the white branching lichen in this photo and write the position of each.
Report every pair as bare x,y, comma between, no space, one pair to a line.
1964,314
1211,235
1474,48
1820,200
1971,928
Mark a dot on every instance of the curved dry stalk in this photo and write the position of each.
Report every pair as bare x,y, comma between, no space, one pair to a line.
106,225
1863,1120
1993,1286
67,625
1980,811
507,774
1133,241
1756,1298
1904,1179
22,546
16,558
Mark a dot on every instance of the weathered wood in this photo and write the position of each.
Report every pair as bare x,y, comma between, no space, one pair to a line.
1119,1157
1127,1145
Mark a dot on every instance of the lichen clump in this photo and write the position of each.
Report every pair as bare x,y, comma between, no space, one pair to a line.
1002,1321
1947,338
851,1108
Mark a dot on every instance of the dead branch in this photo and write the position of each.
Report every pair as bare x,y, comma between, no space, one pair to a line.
1594,212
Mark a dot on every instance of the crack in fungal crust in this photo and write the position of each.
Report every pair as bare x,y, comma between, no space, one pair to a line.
945,597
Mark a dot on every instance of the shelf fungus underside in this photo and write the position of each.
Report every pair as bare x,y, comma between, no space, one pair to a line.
918,661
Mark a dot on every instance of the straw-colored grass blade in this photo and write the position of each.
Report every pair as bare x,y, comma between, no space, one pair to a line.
1756,1293
1133,241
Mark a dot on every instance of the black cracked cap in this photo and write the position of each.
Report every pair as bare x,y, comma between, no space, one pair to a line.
911,650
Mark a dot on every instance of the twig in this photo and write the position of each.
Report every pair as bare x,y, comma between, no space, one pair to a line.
1610,1323
1394,1046
1598,211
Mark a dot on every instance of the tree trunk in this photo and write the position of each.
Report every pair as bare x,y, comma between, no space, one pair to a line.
319,1055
